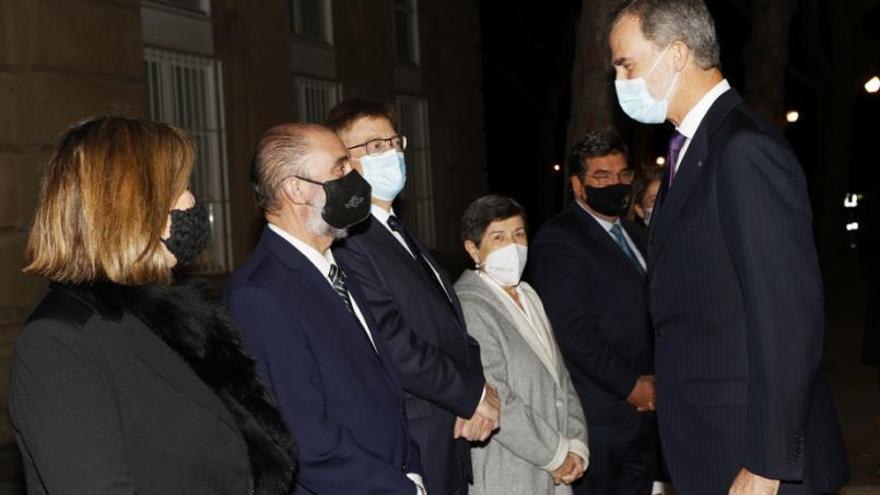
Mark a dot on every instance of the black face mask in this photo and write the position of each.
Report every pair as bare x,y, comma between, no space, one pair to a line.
348,200
610,201
190,230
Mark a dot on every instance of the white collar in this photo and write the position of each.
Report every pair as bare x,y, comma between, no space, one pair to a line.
321,261
381,214
604,223
693,118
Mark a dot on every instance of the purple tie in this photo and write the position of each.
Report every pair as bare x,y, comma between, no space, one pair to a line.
676,143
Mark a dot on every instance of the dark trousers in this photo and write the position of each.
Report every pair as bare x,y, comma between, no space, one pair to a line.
623,459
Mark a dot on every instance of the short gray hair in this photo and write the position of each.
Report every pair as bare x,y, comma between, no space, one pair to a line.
281,152
666,21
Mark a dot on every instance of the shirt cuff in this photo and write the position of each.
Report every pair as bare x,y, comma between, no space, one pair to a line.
581,450
417,480
559,457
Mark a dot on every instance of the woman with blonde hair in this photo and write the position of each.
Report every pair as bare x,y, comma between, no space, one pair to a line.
124,381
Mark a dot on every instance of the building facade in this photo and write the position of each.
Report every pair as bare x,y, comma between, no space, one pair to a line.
226,70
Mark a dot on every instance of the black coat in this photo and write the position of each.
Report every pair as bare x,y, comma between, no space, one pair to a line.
437,361
736,300
142,390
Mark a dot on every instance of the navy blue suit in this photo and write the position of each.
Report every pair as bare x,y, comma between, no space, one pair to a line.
736,300
339,397
594,295
424,332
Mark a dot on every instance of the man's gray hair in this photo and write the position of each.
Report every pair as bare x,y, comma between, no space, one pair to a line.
281,153
666,21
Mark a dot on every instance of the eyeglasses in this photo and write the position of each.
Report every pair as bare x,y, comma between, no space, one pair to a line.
604,177
378,146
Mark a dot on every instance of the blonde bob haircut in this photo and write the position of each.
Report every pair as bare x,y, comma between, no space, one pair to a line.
105,200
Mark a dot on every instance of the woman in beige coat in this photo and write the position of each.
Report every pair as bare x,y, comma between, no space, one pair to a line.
541,446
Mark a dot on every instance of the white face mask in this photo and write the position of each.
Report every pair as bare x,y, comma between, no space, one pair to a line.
637,102
386,173
648,213
506,265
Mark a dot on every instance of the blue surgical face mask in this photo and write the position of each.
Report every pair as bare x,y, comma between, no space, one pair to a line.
637,102
386,173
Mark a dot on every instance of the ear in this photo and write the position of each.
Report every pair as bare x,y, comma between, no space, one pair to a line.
577,188
293,191
681,55
473,251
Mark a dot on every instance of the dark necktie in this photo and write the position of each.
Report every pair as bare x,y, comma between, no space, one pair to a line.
676,143
617,233
337,278
397,226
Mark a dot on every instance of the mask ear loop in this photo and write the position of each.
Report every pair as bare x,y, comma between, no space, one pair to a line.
674,79
657,62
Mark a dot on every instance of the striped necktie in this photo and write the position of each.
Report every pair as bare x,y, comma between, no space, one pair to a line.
337,278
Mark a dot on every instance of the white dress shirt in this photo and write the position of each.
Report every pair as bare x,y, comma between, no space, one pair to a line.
607,226
692,120
322,262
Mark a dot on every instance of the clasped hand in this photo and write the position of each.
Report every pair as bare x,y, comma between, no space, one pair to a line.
486,419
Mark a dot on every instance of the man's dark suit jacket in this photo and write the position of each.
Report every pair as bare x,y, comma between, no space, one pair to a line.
424,332
338,395
595,298
736,300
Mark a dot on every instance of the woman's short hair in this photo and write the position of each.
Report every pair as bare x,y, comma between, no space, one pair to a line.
485,210
104,202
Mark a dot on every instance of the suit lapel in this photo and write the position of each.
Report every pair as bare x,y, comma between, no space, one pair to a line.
674,196
388,242
313,284
157,356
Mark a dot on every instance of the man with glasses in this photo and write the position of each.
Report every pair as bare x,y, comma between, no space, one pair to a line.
588,265
448,401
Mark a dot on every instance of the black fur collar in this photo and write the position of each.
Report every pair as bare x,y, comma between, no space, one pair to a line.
190,320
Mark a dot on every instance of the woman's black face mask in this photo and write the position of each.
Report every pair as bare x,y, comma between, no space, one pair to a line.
190,230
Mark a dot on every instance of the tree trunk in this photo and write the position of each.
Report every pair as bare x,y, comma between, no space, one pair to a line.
766,57
592,94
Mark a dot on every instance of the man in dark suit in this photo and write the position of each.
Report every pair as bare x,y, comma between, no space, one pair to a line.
418,314
735,289
309,327
588,266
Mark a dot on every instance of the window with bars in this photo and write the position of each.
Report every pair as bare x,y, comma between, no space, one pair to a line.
203,6
315,97
186,91
418,194
406,32
311,19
